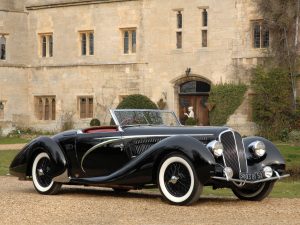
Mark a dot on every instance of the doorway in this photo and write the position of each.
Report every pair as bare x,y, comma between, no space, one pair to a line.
195,94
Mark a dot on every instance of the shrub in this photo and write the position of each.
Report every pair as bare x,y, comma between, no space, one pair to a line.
272,104
294,136
191,122
95,122
225,98
137,101
67,122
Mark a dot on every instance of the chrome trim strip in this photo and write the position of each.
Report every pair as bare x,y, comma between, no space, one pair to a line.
154,135
112,113
63,178
245,155
251,182
224,161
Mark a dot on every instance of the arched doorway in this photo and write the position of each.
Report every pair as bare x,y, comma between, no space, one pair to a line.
194,93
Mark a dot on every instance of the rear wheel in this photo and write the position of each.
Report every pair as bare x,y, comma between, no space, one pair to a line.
253,192
177,180
41,177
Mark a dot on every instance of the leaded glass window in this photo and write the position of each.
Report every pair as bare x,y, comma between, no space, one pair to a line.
126,42
91,44
2,48
261,35
179,20
45,107
193,87
179,40
204,38
46,45
86,106
87,42
129,41
204,18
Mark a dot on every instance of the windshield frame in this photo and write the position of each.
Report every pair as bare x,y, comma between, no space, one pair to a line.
115,118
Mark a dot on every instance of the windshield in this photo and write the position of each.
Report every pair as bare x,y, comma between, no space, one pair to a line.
134,117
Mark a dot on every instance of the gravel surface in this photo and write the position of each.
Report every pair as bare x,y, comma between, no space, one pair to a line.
21,204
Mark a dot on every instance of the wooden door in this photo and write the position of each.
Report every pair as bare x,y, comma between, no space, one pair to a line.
199,105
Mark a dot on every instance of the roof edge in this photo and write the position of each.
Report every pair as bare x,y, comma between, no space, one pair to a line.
66,3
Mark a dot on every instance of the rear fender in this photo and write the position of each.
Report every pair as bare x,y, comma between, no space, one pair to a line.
30,151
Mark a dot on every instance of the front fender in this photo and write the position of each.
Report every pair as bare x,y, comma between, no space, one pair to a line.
21,165
202,159
272,157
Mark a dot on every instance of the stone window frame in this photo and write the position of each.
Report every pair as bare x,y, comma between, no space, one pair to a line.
131,40
179,28
45,107
87,112
262,41
204,25
46,44
87,45
3,46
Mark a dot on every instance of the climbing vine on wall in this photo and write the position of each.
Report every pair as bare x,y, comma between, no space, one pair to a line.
224,99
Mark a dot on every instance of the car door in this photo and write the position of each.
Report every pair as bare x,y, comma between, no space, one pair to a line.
101,153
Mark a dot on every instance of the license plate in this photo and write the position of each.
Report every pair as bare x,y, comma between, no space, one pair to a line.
251,176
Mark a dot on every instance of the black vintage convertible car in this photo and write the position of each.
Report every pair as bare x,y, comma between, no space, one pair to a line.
149,148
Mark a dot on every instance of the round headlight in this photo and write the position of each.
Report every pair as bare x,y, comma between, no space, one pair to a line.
216,148
268,172
228,172
258,148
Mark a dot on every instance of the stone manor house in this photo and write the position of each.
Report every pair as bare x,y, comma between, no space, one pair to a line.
82,57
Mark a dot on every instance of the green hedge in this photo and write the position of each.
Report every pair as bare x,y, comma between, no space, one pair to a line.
224,100
272,105
137,101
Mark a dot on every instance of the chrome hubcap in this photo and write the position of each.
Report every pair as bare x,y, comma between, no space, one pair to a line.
40,172
173,180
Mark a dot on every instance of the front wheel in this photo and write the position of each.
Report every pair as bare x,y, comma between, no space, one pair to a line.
178,181
41,177
253,192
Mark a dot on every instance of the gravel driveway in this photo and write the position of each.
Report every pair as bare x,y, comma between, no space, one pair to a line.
20,204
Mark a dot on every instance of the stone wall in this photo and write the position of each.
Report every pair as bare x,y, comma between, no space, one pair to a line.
156,69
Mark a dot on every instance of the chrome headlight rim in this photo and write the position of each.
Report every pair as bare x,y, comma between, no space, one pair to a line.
257,148
216,148
267,171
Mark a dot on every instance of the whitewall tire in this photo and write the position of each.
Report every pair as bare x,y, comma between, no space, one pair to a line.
177,180
42,181
253,192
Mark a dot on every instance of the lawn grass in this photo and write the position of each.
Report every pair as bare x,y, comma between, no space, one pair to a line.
12,140
5,159
291,155
282,189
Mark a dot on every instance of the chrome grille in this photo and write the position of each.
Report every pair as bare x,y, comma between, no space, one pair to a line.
234,156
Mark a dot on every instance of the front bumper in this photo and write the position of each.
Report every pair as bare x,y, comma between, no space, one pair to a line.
277,177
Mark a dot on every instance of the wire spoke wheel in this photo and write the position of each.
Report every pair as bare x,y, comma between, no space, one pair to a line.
41,175
177,180
253,192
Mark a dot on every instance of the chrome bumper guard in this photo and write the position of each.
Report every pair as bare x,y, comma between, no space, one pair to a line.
278,177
